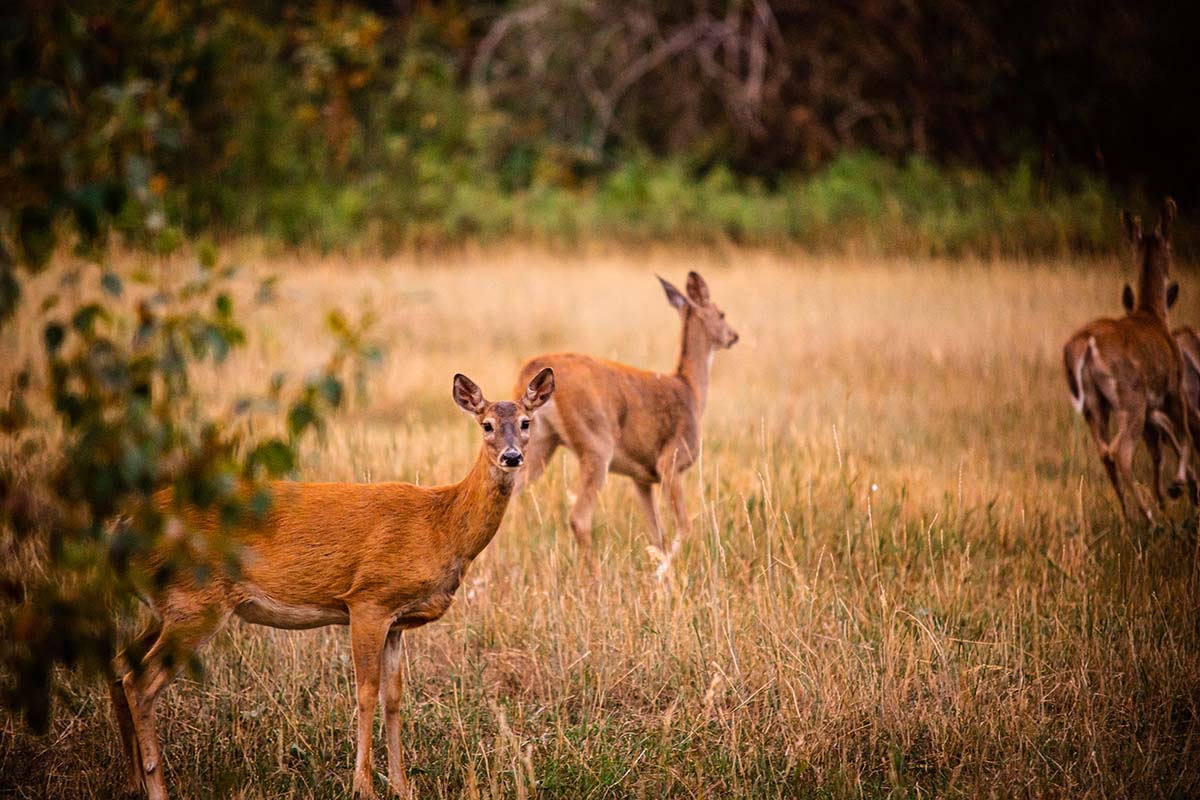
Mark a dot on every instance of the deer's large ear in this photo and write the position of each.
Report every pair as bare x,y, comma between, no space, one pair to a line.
1132,226
697,289
1127,298
1166,219
467,395
539,390
1172,294
674,296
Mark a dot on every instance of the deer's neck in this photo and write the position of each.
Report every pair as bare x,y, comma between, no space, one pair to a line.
477,505
695,359
1151,294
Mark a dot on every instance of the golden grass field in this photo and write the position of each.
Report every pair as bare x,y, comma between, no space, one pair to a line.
907,578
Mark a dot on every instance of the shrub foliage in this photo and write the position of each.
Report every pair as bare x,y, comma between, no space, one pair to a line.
97,112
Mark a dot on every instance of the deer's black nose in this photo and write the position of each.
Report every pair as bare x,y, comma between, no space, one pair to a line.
511,458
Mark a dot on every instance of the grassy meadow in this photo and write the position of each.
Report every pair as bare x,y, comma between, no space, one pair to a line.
908,576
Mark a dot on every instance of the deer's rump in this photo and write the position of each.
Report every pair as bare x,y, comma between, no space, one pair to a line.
1110,361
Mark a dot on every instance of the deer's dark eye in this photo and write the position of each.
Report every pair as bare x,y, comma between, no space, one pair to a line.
487,427
524,424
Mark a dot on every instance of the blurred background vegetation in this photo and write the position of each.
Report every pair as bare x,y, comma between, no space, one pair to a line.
895,126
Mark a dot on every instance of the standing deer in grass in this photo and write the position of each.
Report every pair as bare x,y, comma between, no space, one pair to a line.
642,424
381,558
1131,369
1189,350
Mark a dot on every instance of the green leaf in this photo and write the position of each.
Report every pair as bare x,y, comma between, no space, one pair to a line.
300,417
168,241
274,456
111,283
35,232
53,335
88,205
85,318
266,290
208,255
260,503
331,389
224,305
10,293
337,324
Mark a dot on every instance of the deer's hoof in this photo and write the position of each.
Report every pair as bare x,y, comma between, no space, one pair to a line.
363,790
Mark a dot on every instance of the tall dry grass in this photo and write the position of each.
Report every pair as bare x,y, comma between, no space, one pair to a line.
907,575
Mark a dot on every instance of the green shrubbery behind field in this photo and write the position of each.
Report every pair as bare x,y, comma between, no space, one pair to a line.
345,128
860,201
346,132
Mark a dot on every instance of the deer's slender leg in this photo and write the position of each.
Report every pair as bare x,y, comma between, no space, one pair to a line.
1178,408
1110,467
1193,418
124,720
593,472
1096,416
672,478
1121,449
683,520
1163,424
180,637
672,481
1154,445
645,495
1096,412
121,712
368,632
390,686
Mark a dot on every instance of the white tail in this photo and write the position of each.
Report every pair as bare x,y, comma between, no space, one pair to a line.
1077,396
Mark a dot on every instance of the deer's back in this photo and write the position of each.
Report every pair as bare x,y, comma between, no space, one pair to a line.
323,547
600,403
1138,353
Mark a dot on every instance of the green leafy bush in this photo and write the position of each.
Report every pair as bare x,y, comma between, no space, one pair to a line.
101,419
339,128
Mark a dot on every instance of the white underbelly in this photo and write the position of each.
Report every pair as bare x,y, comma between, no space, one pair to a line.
266,611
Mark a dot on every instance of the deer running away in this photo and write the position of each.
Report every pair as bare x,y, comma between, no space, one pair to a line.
1130,371
381,558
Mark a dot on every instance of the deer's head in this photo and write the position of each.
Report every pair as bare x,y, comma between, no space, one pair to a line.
1152,253
506,425
699,305
1127,296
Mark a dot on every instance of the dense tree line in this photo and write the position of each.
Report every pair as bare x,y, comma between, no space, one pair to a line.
396,122
779,85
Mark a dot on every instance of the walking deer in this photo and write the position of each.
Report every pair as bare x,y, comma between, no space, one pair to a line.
381,558
1189,349
1131,369
637,423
